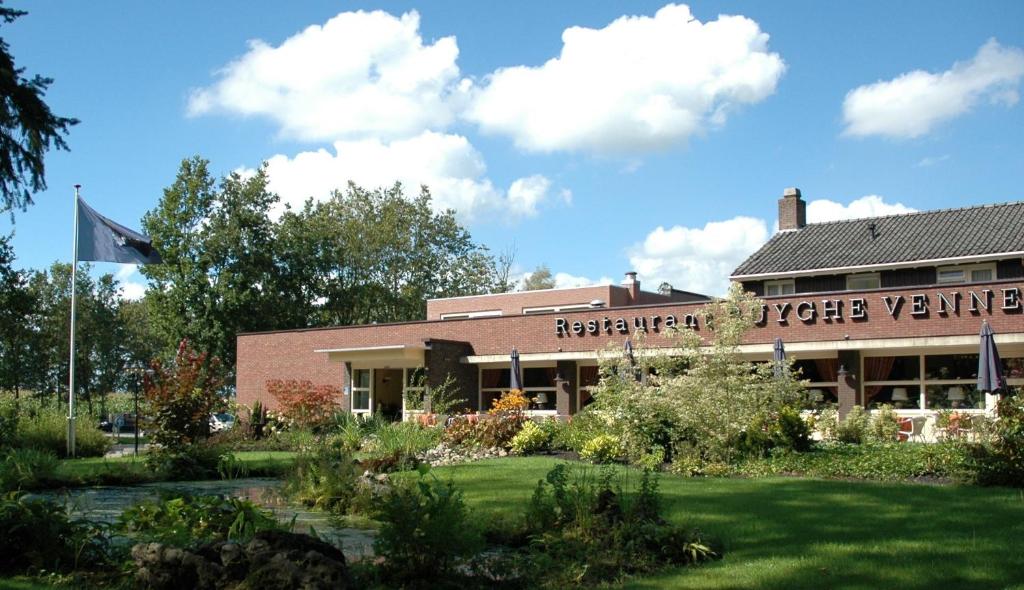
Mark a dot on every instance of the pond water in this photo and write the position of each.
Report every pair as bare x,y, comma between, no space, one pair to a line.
105,504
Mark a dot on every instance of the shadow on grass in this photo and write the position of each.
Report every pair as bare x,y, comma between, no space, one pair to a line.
805,533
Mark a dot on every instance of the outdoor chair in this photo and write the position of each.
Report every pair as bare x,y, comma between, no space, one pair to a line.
912,429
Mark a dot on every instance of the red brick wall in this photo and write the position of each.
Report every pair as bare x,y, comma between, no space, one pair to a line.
289,355
513,303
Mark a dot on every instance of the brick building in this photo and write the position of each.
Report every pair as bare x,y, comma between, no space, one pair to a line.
878,310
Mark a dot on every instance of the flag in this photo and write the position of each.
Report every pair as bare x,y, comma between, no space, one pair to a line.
103,240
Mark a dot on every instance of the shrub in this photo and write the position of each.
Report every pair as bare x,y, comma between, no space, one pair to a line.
182,396
792,431
587,530
185,462
530,439
487,432
885,427
854,428
877,461
1002,461
26,468
38,535
46,429
188,521
306,404
425,530
711,397
8,421
579,430
325,479
603,448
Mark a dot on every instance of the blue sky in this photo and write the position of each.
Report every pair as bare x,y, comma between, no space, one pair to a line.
654,143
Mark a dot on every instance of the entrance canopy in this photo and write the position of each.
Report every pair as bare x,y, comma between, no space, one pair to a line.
381,357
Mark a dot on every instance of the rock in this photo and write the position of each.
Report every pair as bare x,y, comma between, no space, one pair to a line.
272,559
159,567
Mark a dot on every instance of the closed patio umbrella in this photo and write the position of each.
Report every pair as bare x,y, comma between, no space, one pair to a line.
516,381
779,357
990,368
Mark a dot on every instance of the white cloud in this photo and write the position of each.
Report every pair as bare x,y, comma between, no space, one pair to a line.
129,289
361,74
565,280
448,164
698,259
820,210
526,193
932,160
912,104
641,83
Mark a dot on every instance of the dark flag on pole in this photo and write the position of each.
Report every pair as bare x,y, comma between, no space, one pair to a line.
103,240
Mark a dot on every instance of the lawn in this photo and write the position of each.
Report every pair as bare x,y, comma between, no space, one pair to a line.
807,533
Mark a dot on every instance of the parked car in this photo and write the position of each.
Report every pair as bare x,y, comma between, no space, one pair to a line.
124,422
221,421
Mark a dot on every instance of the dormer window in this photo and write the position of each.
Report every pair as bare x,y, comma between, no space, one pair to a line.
861,282
783,287
964,273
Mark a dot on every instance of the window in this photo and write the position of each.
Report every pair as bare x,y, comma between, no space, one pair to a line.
539,387
414,390
492,383
471,314
588,380
863,281
973,273
823,389
930,382
783,287
361,391
567,307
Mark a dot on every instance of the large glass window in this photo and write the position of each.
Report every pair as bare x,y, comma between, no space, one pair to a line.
951,366
539,387
957,397
492,383
589,378
414,389
361,390
892,380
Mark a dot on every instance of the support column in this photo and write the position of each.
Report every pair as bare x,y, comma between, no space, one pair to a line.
849,381
565,389
443,359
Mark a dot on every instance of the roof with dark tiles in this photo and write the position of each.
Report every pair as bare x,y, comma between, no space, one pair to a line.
908,237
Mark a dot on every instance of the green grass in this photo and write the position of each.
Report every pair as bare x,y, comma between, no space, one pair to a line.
23,583
806,533
130,470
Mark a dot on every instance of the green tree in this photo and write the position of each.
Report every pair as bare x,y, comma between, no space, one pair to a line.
28,129
366,256
99,347
219,275
539,279
16,311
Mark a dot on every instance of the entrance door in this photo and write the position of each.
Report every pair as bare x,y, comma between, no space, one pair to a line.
387,393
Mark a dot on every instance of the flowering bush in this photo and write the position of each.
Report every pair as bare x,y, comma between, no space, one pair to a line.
306,404
182,396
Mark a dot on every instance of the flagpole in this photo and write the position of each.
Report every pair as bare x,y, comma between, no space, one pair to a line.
71,372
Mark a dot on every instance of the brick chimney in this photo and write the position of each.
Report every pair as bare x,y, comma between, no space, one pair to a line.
792,210
633,285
